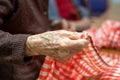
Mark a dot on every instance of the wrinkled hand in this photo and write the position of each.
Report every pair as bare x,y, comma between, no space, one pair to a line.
61,44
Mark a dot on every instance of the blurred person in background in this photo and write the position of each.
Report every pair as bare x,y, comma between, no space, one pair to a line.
67,13
82,6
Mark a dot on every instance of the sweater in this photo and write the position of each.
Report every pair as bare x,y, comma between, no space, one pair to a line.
18,18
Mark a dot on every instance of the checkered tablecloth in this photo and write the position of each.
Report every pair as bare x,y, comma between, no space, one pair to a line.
88,64
108,36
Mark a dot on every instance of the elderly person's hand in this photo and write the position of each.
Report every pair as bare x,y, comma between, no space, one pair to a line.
60,44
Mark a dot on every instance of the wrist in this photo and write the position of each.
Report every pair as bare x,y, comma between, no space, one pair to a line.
29,48
28,52
36,45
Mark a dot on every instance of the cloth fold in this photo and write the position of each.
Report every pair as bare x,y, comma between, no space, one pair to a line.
107,36
87,64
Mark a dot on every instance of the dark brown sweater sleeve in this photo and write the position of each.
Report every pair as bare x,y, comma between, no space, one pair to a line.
11,46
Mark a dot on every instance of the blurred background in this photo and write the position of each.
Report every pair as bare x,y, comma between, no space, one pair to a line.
111,12
99,17
84,13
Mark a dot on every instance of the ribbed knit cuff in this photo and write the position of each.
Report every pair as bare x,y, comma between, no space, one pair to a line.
18,47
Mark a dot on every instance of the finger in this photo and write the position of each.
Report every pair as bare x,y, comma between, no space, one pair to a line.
75,35
80,43
70,35
67,34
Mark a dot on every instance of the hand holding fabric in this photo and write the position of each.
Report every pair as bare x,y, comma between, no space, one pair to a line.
60,44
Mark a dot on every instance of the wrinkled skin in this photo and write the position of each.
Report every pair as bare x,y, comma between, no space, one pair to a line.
61,44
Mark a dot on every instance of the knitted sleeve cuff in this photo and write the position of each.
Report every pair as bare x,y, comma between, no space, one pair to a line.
18,43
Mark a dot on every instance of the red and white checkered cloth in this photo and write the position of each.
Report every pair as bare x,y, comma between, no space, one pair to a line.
107,36
87,64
